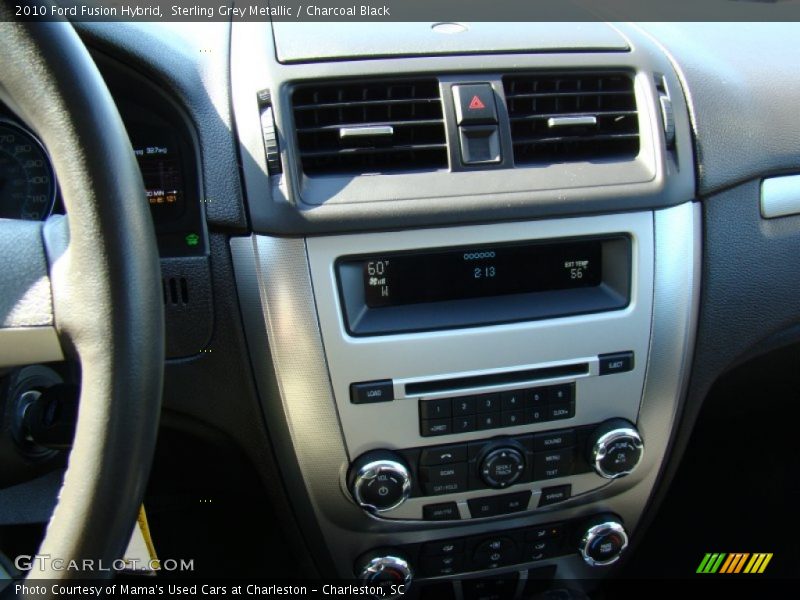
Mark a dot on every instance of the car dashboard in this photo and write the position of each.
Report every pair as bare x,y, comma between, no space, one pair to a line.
458,292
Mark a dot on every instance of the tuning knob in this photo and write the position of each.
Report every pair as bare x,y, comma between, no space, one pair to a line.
616,449
604,542
380,481
387,571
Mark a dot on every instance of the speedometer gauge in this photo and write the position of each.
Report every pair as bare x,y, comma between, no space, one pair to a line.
27,185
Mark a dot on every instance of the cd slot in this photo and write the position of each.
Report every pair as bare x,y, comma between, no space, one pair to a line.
506,378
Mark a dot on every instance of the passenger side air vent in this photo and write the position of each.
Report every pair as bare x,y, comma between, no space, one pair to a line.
370,127
572,116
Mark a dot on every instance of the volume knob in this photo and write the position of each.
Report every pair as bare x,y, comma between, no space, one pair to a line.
380,481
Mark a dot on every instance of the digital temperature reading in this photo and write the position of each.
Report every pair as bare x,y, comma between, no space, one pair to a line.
456,274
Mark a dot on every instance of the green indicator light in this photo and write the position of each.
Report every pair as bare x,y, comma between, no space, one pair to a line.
192,239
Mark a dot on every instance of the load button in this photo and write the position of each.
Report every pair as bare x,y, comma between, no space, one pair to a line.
367,392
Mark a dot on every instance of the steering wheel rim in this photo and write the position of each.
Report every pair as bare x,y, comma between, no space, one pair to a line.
102,274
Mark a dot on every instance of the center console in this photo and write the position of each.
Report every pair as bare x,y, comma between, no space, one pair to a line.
463,374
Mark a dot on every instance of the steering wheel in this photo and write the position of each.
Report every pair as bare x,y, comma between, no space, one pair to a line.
86,287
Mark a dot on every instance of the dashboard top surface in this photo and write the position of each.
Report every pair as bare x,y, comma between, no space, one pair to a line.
316,41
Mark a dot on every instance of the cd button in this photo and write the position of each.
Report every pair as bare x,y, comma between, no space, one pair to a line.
483,507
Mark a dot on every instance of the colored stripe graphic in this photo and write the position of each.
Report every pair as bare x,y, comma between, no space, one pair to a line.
711,563
703,563
737,562
727,564
767,558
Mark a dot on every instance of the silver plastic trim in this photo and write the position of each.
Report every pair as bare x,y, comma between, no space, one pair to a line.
600,450
370,471
476,351
589,121
600,530
291,371
780,196
367,131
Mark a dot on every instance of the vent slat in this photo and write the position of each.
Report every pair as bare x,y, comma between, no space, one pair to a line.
338,126
564,94
534,99
412,108
360,103
599,113
374,150
575,138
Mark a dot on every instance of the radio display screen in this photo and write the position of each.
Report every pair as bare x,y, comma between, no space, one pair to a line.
481,271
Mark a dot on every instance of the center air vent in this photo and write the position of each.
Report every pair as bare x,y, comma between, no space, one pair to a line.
370,127
571,117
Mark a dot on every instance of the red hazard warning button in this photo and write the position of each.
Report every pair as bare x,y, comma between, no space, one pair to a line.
474,104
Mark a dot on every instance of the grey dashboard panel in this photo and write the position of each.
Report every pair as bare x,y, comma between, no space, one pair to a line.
320,41
292,203
743,90
278,304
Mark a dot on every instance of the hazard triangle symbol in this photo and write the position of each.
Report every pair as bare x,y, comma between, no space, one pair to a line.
476,104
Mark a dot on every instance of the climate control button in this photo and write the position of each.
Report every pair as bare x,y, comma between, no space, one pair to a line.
603,543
